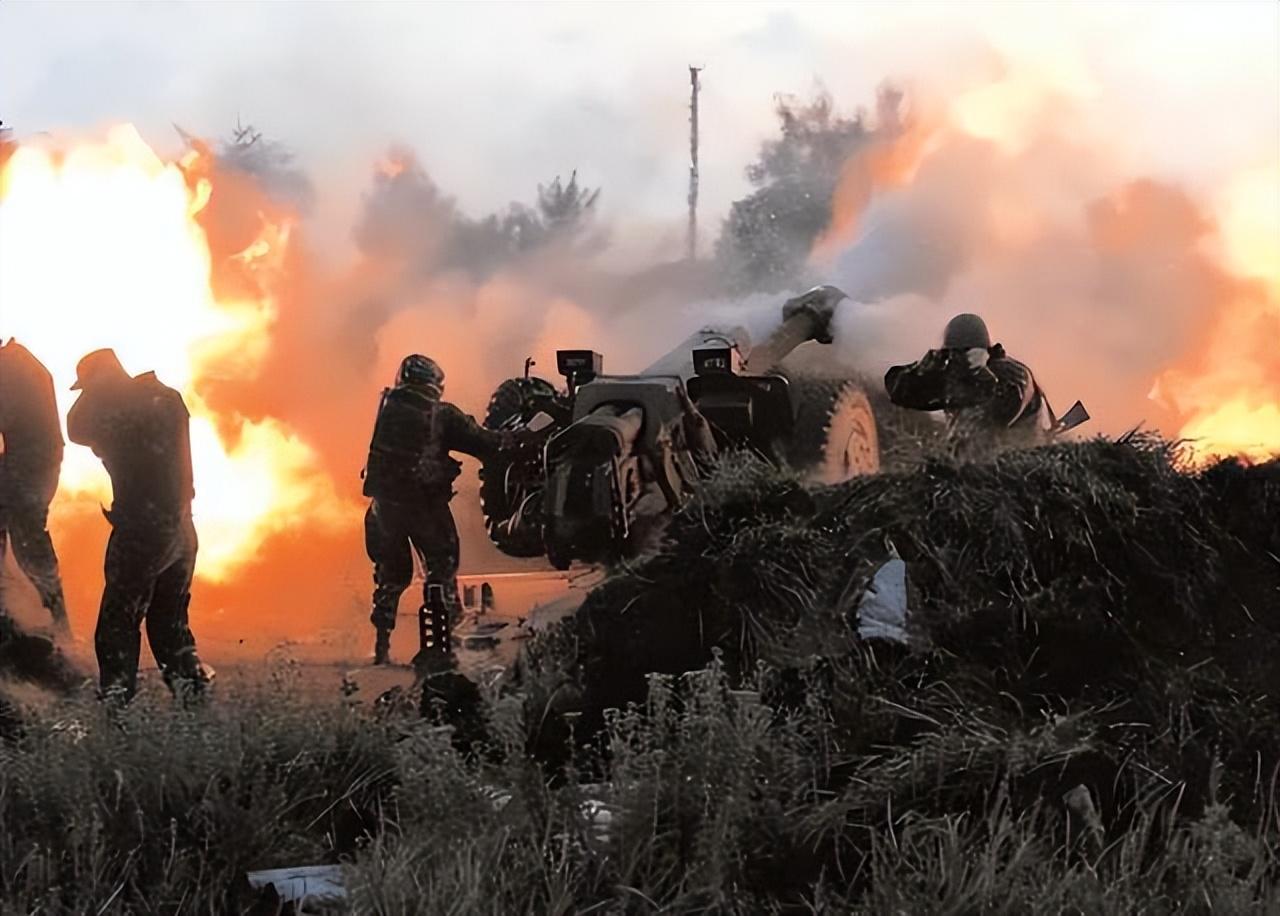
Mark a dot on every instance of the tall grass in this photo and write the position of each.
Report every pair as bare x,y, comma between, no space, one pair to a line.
1084,723
722,802
719,801
162,809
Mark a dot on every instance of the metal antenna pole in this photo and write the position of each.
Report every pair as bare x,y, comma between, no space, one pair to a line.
693,159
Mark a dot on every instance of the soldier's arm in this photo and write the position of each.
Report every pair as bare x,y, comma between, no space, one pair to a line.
955,380
463,434
173,406
1013,391
921,385
87,423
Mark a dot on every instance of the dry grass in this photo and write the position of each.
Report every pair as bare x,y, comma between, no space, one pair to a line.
1086,616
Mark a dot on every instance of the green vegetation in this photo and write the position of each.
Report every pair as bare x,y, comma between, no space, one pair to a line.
1085,723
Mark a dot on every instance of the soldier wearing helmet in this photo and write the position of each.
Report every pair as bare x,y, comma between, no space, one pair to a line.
409,477
989,397
140,429
30,461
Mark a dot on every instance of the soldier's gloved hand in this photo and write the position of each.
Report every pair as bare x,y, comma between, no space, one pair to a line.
933,361
516,439
508,441
977,357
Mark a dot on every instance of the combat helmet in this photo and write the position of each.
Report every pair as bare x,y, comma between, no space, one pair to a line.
966,332
421,372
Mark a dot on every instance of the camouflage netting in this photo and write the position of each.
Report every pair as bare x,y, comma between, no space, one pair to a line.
1080,614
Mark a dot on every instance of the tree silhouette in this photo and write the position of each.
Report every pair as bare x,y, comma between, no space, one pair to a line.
408,217
565,208
270,162
766,238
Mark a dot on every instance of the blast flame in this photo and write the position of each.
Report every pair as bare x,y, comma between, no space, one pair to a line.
101,247
1232,403
1237,429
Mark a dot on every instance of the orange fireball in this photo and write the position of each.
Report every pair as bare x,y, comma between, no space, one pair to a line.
101,247
1233,401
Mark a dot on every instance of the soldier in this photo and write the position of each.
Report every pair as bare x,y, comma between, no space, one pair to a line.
140,429
989,398
409,476
30,461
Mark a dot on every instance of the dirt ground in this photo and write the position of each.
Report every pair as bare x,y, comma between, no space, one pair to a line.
333,663
486,645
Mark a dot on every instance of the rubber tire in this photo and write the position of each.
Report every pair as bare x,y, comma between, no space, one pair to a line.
905,436
834,437
514,397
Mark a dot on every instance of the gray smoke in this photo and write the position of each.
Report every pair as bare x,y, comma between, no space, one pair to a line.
1098,281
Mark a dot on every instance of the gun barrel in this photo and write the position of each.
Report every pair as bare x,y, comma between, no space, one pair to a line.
805,317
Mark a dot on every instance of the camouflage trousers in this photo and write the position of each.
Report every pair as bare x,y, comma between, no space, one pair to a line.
24,525
148,579
393,532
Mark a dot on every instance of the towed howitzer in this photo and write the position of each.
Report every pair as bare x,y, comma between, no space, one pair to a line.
627,450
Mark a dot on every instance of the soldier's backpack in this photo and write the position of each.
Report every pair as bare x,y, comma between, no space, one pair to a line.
396,446
436,468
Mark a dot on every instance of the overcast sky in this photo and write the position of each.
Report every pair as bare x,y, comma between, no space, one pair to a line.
495,97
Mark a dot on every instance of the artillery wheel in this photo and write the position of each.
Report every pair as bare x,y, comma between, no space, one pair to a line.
834,437
516,397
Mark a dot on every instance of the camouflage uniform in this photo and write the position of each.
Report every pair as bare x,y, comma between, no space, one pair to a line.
393,529
410,477
140,429
995,404
29,466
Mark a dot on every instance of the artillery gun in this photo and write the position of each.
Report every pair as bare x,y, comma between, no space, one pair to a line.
625,450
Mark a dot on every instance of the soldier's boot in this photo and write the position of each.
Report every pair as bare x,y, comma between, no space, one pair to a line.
382,647
435,636
188,679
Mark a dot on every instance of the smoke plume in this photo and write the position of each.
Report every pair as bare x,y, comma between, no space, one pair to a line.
1110,285
1101,281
